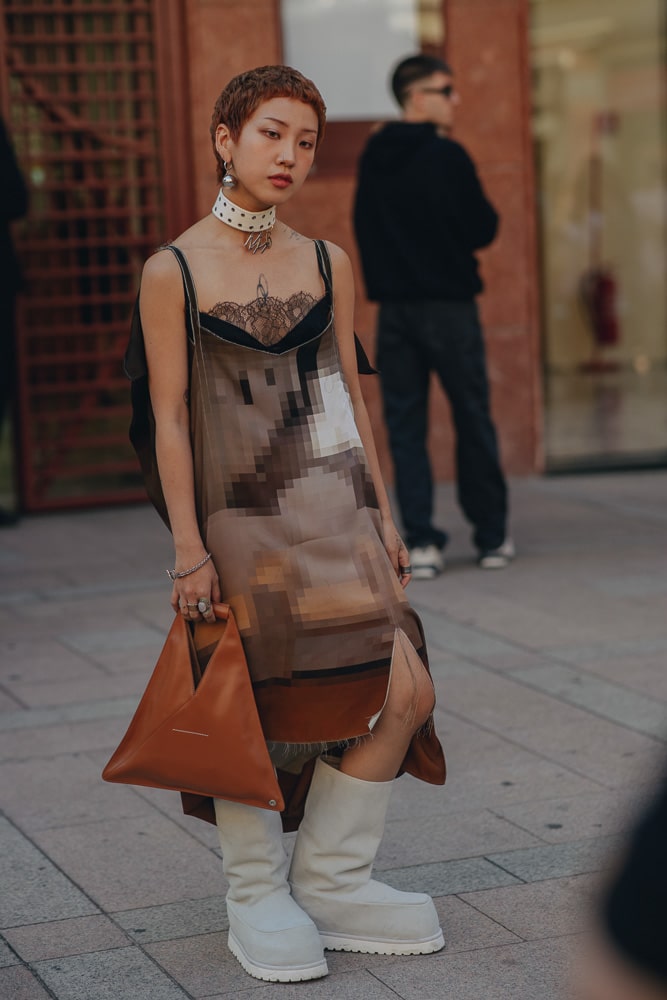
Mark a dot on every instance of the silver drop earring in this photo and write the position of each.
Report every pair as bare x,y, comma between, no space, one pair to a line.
228,181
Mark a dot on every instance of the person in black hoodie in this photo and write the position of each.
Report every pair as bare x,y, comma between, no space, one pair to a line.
420,214
13,205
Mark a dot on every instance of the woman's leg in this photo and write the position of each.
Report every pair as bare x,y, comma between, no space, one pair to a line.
410,700
331,869
343,825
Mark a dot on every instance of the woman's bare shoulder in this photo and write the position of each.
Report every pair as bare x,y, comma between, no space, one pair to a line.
341,264
337,254
161,281
160,266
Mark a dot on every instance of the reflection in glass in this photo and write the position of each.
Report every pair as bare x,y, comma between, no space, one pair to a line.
348,48
599,130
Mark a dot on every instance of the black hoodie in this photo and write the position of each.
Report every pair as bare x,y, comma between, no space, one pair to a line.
420,213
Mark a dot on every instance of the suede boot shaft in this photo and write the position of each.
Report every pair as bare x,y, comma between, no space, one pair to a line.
330,874
269,934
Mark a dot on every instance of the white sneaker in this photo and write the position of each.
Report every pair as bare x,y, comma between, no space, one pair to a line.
497,558
427,562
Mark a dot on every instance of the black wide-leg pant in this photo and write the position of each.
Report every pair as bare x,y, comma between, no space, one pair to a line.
414,339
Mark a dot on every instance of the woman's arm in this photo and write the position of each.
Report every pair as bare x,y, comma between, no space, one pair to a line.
162,307
343,283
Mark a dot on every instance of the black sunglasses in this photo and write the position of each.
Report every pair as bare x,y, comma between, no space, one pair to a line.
445,91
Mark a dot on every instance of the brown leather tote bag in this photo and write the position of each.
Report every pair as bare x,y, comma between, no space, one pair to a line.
196,728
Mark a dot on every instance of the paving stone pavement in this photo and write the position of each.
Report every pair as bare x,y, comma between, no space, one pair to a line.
552,707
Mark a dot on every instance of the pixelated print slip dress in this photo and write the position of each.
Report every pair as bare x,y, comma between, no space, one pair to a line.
288,510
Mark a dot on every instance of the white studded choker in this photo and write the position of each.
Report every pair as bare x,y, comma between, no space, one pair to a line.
254,223
241,218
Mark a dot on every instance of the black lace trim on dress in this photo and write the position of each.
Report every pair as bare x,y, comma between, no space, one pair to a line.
267,319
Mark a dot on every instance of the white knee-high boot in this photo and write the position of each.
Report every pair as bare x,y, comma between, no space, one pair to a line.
269,933
331,866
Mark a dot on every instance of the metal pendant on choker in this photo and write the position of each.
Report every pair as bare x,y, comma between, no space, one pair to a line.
258,225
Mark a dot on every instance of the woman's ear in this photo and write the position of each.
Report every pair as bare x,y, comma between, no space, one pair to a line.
222,141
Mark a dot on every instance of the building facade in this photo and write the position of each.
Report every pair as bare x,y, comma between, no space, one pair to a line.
109,104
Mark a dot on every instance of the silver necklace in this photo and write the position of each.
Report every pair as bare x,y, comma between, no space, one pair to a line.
258,225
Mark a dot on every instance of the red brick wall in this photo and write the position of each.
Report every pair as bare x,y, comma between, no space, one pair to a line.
487,44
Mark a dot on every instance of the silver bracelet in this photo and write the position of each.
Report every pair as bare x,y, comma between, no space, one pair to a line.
173,575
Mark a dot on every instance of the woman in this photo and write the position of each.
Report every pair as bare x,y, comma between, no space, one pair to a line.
266,461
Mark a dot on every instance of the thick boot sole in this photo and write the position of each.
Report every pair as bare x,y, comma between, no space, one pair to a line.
274,974
368,946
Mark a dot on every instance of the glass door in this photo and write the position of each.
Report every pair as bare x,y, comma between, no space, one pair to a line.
599,130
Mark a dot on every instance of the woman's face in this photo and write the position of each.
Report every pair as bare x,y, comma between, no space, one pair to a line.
273,154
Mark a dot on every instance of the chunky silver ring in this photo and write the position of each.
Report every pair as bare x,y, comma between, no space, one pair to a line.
203,605
192,607
406,570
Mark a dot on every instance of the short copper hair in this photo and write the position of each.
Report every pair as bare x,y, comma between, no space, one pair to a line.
243,95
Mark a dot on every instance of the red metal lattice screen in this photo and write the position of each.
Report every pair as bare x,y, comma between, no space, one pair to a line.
84,116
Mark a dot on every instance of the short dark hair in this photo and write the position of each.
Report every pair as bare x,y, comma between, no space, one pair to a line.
411,70
243,95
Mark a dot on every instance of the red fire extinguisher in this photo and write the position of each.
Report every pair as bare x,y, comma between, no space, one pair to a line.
599,291
599,286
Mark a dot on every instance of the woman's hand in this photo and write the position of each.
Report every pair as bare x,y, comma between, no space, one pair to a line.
397,552
188,591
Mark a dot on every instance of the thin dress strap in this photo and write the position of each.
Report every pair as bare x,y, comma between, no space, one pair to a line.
364,367
324,262
192,308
